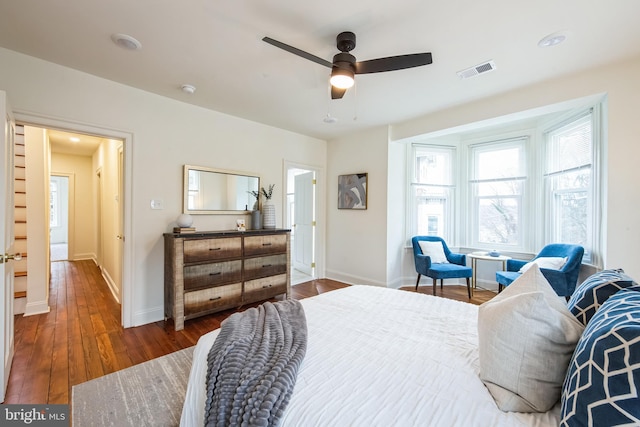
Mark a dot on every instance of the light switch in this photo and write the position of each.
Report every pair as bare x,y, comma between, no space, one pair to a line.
157,204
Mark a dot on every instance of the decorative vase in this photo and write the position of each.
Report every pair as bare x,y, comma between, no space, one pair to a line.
256,220
268,215
184,220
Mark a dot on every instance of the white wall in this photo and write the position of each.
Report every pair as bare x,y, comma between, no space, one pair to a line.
621,83
357,239
164,135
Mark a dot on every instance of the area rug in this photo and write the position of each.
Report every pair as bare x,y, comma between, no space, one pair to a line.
149,394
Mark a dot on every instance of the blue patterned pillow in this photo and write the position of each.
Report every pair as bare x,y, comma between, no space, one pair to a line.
595,290
602,385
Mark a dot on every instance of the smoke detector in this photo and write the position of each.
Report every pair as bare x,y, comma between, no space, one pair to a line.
125,41
485,67
190,89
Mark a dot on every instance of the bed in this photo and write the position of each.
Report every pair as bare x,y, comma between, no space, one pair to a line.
378,356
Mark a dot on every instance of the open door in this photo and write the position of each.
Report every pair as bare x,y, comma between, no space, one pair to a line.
303,223
7,242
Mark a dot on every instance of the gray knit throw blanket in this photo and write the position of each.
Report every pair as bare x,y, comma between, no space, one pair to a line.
253,365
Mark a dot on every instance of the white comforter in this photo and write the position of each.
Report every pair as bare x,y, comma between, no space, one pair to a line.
382,357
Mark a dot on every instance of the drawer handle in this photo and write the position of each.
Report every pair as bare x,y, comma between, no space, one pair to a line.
266,265
266,286
214,299
215,274
215,249
266,244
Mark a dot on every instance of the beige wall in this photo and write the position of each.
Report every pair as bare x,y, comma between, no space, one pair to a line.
161,135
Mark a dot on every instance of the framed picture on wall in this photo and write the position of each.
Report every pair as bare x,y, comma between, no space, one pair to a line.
352,191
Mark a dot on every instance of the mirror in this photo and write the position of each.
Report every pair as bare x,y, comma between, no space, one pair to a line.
217,191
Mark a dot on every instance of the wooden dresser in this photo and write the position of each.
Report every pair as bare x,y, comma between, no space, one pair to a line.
214,271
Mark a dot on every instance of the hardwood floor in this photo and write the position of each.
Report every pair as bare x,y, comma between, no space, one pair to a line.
81,338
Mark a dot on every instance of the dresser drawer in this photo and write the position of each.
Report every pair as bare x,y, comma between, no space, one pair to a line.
196,302
269,244
265,287
212,249
213,274
265,266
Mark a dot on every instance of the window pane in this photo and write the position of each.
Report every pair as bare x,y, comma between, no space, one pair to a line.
497,188
433,167
572,217
430,220
498,220
53,204
505,162
570,146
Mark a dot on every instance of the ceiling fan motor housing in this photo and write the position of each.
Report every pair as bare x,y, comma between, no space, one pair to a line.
345,61
346,41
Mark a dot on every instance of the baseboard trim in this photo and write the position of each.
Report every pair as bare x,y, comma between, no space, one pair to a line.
112,285
33,308
148,316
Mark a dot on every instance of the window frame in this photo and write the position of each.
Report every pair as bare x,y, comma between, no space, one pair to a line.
536,216
449,190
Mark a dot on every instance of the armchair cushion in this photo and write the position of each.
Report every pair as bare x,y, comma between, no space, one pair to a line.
433,250
595,290
526,336
553,263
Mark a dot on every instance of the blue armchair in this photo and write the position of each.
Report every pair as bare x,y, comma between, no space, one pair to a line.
563,281
454,269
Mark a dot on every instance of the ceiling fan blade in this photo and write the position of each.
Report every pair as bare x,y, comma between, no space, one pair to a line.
393,63
297,51
337,93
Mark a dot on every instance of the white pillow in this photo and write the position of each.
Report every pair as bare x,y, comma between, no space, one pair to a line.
552,263
434,250
526,337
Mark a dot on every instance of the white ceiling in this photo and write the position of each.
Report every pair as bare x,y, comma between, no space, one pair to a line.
216,46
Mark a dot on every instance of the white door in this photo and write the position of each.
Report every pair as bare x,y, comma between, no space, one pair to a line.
303,223
7,241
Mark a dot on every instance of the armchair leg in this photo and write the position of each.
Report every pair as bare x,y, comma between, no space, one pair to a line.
441,283
434,286
418,281
499,287
468,288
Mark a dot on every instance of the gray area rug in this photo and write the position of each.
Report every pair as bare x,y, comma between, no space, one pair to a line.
149,394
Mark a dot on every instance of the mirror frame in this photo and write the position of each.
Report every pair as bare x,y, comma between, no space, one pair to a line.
185,190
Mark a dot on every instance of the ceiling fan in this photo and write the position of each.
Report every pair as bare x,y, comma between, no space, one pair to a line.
344,65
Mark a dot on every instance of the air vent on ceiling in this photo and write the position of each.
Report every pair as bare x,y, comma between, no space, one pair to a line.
485,67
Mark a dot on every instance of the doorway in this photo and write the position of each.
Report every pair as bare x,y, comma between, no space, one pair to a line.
90,163
300,218
59,218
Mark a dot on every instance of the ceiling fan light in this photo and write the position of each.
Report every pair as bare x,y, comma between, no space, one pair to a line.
341,78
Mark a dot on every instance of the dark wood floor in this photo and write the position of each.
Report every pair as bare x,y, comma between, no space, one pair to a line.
81,338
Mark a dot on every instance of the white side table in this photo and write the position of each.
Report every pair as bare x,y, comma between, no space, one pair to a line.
484,256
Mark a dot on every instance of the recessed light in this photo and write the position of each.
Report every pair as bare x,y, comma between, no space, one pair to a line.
126,41
553,39
74,139
188,89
